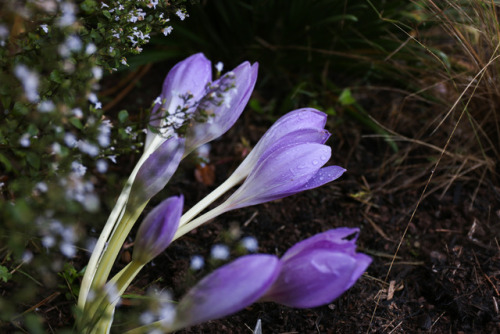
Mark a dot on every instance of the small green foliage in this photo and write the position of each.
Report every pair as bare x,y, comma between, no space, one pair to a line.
72,279
5,275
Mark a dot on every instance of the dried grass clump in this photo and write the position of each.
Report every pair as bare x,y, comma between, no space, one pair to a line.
451,60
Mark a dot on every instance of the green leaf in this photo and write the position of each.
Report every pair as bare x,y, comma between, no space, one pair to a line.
5,162
33,159
56,76
4,274
346,98
76,123
123,116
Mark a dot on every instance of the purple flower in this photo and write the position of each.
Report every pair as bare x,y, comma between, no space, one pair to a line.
227,290
291,166
184,85
158,229
301,125
222,105
156,170
318,270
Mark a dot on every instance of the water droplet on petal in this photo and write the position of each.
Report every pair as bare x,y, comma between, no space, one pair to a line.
323,157
315,162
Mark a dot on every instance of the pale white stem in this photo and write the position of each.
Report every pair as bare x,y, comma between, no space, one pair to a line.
186,228
210,198
110,226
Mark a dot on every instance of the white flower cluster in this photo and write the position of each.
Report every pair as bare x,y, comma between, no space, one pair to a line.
56,233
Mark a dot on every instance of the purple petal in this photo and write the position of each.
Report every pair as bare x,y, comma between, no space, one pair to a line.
362,263
334,240
313,278
324,175
158,229
226,114
188,76
227,290
306,118
281,174
157,170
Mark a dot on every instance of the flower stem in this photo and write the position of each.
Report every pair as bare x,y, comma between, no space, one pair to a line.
200,220
115,243
210,198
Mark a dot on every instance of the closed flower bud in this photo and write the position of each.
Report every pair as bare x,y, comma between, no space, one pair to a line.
227,290
158,229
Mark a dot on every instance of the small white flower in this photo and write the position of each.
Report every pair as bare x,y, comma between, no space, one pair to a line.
250,243
197,262
42,187
30,81
166,31
74,43
219,66
77,112
24,141
78,168
98,105
102,166
90,49
48,241
68,249
181,14
158,100
46,106
219,252
70,139
88,148
44,27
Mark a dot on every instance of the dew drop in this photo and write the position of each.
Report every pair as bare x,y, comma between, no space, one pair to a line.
323,157
315,162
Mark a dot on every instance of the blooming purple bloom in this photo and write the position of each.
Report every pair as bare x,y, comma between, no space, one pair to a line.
158,229
223,104
227,290
300,119
157,170
285,170
317,270
184,85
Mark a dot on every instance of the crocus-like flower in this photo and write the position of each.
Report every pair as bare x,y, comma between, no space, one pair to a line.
300,119
313,272
158,229
156,170
222,105
227,290
283,172
318,270
183,87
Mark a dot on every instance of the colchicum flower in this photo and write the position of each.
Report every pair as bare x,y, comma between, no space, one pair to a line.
190,100
222,105
184,85
300,119
157,229
286,160
227,290
318,270
313,272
